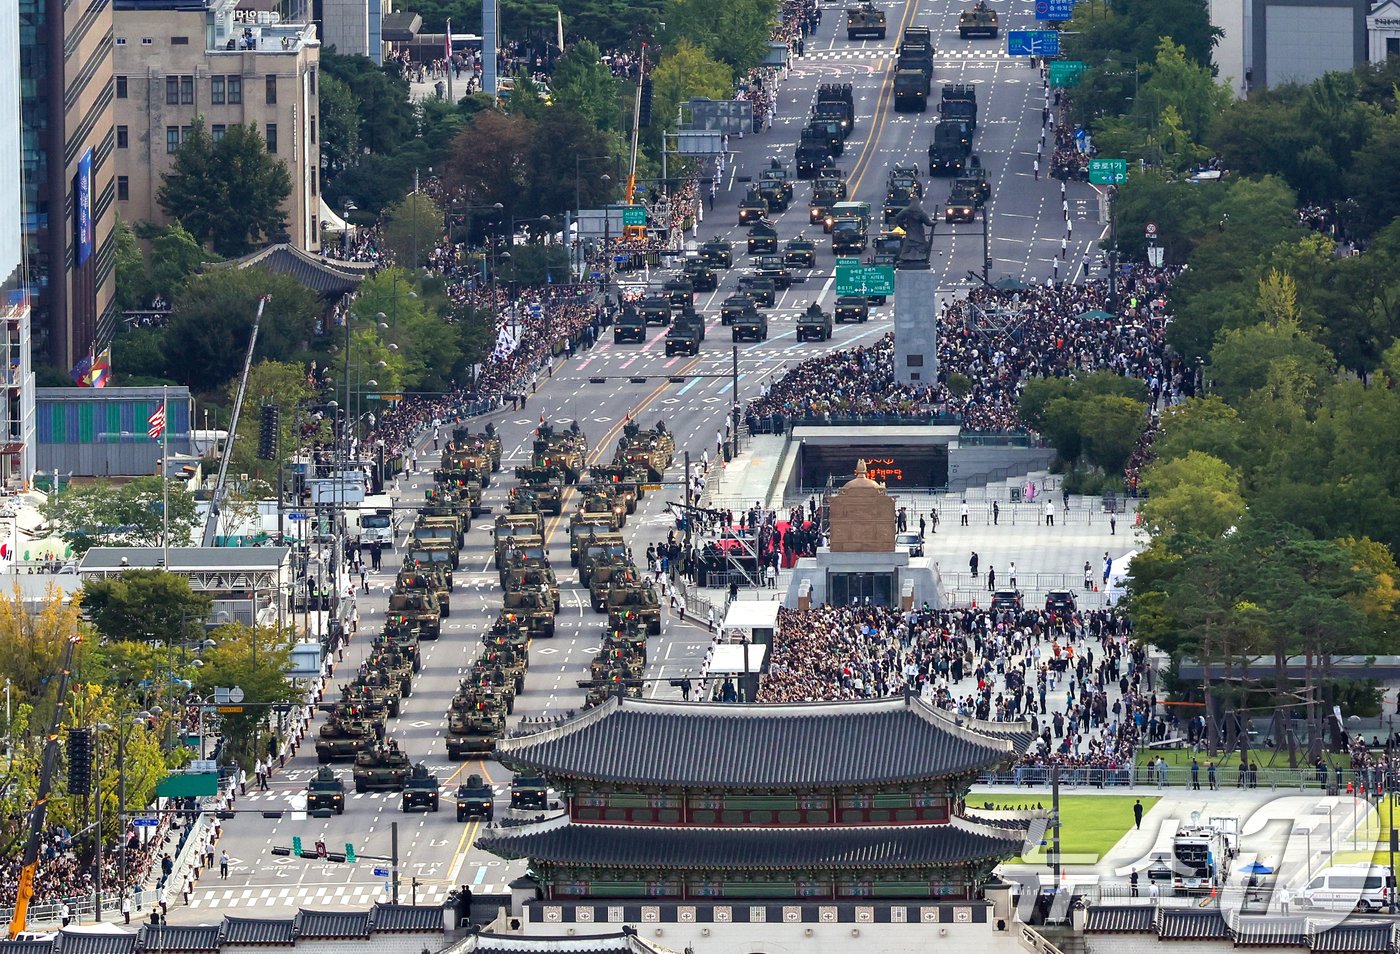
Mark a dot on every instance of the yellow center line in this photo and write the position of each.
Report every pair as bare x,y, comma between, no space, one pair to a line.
881,105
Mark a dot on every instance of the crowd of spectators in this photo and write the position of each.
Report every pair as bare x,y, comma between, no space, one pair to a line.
1084,690
64,871
995,341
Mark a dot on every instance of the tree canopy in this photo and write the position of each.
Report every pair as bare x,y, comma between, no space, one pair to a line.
107,513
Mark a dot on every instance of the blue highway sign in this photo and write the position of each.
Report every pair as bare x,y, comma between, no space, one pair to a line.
1032,43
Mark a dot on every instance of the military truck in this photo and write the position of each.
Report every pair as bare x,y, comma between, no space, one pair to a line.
584,526
836,102
950,148
762,289
763,238
960,103
852,308
911,89
902,186
476,719
752,326
634,600
655,309
978,20
815,324
599,548
813,153
828,131
381,767
800,253
865,22
753,207
437,551
978,175
735,307
514,537
827,190
773,267
596,499
447,513
325,793
475,799
776,193
629,325
683,337
701,275
429,531
962,201
546,485
434,560
529,793
418,608
718,252
849,229
508,524
342,735
420,791
679,291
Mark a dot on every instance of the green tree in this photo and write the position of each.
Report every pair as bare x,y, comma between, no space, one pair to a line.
1186,85
490,160
1241,361
256,659
1205,424
207,336
1196,497
1111,426
1377,194
340,125
412,229
105,513
133,288
150,605
32,643
553,186
583,85
687,71
175,256
385,112
285,385
228,193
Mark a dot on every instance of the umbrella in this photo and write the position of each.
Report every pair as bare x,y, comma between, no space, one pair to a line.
1010,284
1256,868
1096,316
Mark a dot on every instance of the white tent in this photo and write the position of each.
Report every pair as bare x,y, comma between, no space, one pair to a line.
1118,577
330,222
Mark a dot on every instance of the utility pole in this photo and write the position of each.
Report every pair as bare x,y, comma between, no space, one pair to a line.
1055,818
394,861
734,375
689,519
1112,249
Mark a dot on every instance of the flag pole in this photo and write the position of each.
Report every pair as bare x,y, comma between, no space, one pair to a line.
451,98
165,475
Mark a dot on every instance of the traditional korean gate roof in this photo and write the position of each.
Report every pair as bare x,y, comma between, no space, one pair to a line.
810,745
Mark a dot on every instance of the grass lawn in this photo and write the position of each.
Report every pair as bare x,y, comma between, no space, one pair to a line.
1370,842
1089,824
1181,758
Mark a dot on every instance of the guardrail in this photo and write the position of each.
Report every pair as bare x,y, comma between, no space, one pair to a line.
1144,776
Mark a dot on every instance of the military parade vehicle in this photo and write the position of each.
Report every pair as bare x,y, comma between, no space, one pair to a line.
438,560
401,638
979,176
325,793
815,324
911,89
629,325
851,307
773,267
420,791
520,577
631,637
978,20
960,103
827,131
655,309
952,144
514,536
800,252
547,486
582,527
599,498
487,442
827,189
395,666
634,599
963,201
836,103
417,608
343,734
626,478
507,630
718,252
475,799
684,335
865,22
493,678
701,274
506,659
381,688
813,153
753,207
849,224
735,307
762,289
650,449
535,608
679,291
751,326
529,793
476,718
600,576
381,767
763,238
566,449
599,549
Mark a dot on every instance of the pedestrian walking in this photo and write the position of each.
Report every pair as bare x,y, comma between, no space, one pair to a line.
972,564
1037,167
223,865
964,513
1137,813
1064,245
996,512
991,578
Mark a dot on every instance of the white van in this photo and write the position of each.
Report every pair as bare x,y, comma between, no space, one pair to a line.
1359,887
376,521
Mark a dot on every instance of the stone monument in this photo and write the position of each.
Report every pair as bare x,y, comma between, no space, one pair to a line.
862,516
914,248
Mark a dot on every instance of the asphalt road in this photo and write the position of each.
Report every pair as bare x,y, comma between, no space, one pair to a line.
1027,225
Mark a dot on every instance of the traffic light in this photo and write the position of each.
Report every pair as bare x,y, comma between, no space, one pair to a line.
79,761
644,110
349,853
268,427
296,846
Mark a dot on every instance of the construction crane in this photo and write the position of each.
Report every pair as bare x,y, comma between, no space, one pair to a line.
636,231
39,810
216,500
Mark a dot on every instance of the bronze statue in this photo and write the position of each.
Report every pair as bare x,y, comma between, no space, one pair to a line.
914,247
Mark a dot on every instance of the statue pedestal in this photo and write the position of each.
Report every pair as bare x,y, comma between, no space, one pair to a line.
915,326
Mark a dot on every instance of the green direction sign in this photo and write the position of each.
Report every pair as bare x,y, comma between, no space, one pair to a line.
1066,72
634,215
846,262
865,280
193,785
1108,171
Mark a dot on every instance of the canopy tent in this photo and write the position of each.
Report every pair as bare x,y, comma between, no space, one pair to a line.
1118,577
330,222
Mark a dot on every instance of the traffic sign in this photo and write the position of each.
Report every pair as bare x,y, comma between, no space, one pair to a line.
1151,229
846,261
1108,171
1054,9
865,280
381,872
1032,43
1067,72
146,822
634,215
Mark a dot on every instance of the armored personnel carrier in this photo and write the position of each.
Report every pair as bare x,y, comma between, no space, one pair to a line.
326,792
420,792
475,799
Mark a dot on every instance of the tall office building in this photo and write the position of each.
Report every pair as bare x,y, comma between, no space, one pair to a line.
69,187
16,376
181,59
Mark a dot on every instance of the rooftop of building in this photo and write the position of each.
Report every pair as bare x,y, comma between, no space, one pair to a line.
239,27
650,742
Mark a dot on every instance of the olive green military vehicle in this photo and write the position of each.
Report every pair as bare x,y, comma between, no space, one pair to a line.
440,559
634,600
325,794
602,572
426,580
418,608
381,767
599,547
475,799
535,608
344,734
420,792
525,578
547,486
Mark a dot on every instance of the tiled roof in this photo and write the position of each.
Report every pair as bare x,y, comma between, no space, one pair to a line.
1120,919
1355,937
25,947
259,930
332,924
179,937
81,942
1191,924
328,276
406,918
561,842
646,741
1269,931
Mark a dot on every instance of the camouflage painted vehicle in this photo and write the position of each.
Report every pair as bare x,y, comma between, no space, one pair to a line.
508,630
428,579
600,577
625,480
436,559
631,638
584,527
546,483
522,576
599,549
491,679
382,689
508,661
344,734
400,638
485,443
417,608
325,792
535,608
651,449
634,600
566,450
381,767
394,665
472,732
600,498
510,536
362,702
